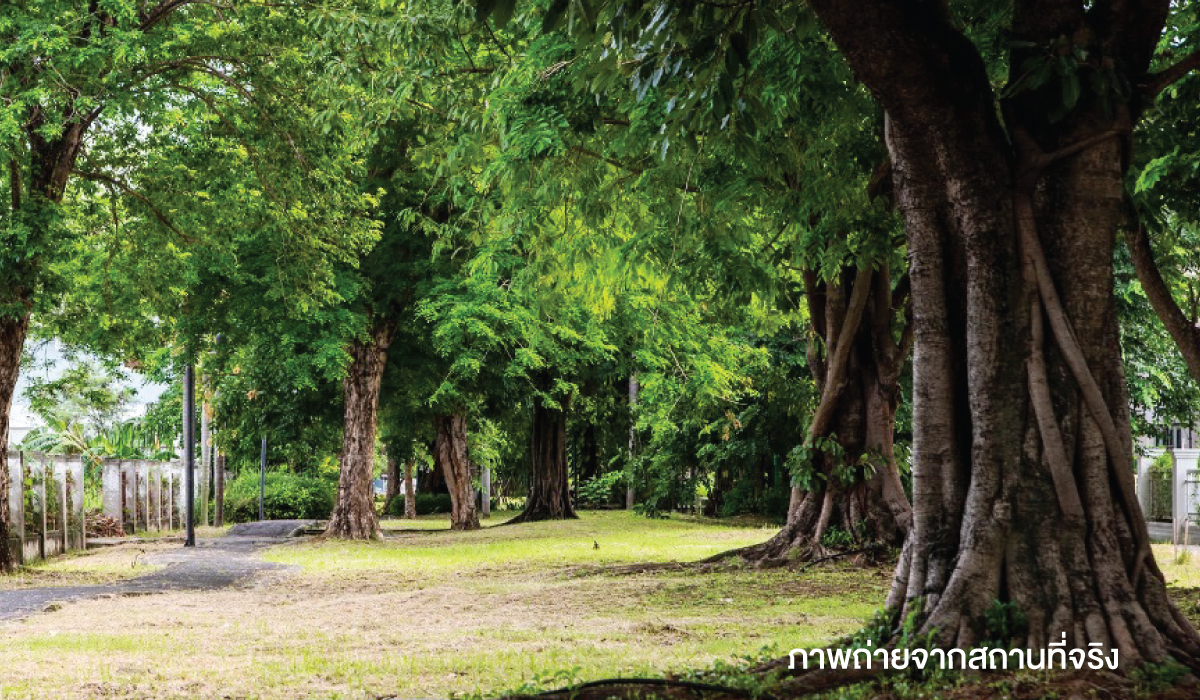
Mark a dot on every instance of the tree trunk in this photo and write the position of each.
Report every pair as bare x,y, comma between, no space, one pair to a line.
34,201
219,480
722,482
12,339
589,467
1023,482
410,496
205,456
393,481
855,490
354,513
435,480
549,495
451,455
630,491
485,492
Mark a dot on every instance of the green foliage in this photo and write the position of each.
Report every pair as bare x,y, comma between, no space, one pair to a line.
287,496
1154,678
1004,621
426,504
602,490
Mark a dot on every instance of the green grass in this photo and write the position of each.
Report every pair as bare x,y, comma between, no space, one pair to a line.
433,613
622,538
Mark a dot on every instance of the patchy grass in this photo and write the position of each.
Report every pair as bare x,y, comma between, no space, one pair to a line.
430,614
85,568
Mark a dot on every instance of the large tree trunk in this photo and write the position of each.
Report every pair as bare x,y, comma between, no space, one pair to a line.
549,495
1023,483
451,454
855,489
35,195
12,339
354,513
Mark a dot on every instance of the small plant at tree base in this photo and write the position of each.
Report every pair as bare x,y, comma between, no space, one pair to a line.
1004,621
1155,678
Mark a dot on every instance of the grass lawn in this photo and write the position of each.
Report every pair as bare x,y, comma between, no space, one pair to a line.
430,613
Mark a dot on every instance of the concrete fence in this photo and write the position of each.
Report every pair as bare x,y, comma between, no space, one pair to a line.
1180,488
45,505
143,494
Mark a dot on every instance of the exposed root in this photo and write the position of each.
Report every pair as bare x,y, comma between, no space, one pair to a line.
645,687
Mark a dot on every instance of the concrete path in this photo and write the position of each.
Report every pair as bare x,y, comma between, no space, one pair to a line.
1161,532
210,565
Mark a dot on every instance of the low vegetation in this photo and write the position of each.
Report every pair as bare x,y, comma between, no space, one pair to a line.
430,614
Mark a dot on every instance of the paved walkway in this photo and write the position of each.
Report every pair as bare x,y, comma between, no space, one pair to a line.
210,565
1161,532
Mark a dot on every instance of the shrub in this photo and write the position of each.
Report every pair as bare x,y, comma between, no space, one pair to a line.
427,504
601,490
287,496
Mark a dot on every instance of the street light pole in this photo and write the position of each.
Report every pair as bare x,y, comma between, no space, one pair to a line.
189,449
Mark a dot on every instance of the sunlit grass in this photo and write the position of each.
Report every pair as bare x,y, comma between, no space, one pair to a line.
1179,571
430,614
596,538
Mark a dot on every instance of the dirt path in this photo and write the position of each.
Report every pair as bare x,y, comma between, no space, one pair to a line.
210,565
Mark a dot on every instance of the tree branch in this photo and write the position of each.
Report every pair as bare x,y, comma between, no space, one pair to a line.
108,179
1183,331
1157,82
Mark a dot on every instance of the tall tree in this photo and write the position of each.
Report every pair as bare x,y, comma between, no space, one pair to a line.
105,74
1011,215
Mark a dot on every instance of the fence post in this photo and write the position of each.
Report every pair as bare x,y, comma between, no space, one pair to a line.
16,502
64,508
42,504
77,504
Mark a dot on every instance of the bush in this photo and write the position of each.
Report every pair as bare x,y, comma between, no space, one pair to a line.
427,504
288,496
601,490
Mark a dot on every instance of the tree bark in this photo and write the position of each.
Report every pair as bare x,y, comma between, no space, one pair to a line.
549,495
451,455
33,201
630,491
589,467
1021,443
857,487
12,339
393,481
219,498
410,496
485,492
354,513
205,456
435,480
